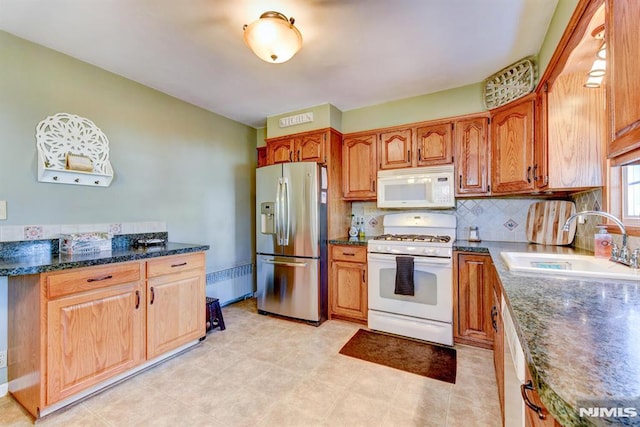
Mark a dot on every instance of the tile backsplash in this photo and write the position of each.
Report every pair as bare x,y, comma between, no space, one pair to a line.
499,219
592,200
16,233
496,219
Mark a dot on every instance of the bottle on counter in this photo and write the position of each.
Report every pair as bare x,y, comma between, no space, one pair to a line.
361,229
602,243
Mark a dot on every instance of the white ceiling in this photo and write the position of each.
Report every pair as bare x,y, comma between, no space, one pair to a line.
356,52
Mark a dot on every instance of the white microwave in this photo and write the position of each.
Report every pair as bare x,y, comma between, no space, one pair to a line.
425,187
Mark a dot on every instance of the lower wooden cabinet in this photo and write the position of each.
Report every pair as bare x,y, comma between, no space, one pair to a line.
175,295
71,330
348,283
473,299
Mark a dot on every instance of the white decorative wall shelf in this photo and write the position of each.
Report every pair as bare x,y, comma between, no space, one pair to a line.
72,150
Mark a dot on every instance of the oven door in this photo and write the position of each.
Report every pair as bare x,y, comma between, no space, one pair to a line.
433,284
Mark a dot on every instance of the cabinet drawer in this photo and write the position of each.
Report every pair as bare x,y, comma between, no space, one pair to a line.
174,264
349,253
85,279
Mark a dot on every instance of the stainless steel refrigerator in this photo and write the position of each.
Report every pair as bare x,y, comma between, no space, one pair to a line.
291,240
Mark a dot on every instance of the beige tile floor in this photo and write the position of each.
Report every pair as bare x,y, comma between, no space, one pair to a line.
265,371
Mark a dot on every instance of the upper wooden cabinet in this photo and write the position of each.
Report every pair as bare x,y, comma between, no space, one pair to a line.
262,156
434,144
512,150
424,144
396,149
575,134
472,156
359,171
310,147
623,75
280,151
304,147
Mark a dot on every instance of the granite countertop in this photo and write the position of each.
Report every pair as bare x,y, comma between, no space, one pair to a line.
355,241
43,261
581,337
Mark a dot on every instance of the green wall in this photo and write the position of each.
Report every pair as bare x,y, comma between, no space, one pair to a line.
559,22
173,161
447,103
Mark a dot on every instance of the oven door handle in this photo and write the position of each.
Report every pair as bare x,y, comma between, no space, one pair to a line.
417,260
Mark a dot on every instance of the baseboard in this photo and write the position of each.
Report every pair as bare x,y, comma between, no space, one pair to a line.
4,389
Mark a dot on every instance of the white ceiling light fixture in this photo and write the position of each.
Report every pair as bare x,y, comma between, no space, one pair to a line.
273,37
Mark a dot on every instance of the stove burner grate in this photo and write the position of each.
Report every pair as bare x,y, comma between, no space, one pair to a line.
414,238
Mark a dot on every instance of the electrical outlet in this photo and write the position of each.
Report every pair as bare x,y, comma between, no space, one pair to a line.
3,359
3,209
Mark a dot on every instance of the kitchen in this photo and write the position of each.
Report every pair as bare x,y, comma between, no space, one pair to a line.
168,140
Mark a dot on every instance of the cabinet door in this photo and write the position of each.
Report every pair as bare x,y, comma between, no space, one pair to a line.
623,74
280,151
434,145
349,290
263,159
512,137
175,310
93,336
310,148
396,149
474,295
498,346
472,156
359,167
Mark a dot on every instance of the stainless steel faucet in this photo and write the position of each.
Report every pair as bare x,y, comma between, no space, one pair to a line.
617,255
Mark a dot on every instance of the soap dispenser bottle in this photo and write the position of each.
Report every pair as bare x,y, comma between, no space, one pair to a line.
602,243
361,229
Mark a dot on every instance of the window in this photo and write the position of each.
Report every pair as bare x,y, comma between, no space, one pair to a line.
624,195
631,192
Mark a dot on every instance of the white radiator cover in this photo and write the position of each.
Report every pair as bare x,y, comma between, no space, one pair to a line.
231,284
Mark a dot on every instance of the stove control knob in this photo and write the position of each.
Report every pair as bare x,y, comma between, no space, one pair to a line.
429,251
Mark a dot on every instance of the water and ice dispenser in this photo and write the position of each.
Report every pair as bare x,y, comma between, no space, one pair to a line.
267,218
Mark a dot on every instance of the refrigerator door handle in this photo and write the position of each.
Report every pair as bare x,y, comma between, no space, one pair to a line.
285,263
287,211
279,212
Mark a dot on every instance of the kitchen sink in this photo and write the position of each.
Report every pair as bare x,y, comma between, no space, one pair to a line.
568,265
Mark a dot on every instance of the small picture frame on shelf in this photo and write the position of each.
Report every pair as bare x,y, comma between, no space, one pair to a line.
78,162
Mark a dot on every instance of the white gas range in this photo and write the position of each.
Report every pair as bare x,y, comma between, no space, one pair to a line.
411,277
